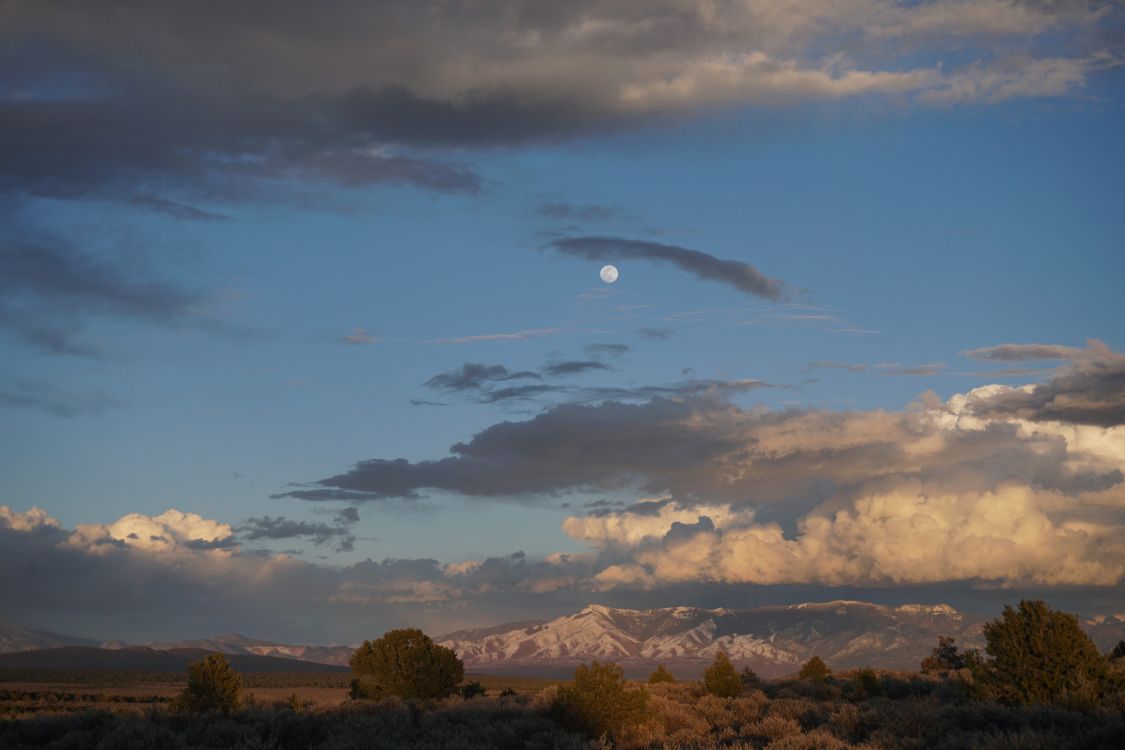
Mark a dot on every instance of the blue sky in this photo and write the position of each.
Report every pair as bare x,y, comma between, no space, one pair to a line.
909,225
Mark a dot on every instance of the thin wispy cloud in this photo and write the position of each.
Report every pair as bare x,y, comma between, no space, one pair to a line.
734,273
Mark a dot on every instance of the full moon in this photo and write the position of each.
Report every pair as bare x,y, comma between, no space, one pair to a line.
609,274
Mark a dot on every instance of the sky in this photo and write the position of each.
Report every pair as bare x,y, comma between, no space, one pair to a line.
302,333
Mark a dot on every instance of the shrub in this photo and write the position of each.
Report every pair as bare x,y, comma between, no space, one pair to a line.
815,670
472,689
405,663
599,702
1118,651
660,675
720,678
748,678
944,658
1039,655
507,692
868,682
212,685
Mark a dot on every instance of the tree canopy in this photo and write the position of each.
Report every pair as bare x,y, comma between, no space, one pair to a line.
408,664
721,678
815,669
212,685
1039,655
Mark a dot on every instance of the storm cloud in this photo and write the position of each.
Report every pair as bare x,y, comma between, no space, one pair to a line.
741,276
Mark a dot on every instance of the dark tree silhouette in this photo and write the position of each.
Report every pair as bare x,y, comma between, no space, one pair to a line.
405,663
661,675
944,658
212,685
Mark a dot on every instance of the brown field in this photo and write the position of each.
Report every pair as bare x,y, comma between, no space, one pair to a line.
25,693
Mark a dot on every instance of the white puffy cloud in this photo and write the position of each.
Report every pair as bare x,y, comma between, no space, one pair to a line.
28,520
894,520
170,532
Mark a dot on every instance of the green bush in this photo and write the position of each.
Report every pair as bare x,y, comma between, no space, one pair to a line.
1039,655
661,675
405,663
721,678
815,670
213,685
599,702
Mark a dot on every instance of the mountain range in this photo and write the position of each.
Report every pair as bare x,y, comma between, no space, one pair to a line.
771,640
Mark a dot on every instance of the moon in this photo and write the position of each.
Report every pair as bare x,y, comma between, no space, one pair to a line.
609,274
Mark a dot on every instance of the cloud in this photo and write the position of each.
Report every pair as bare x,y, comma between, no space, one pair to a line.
359,337
930,368
50,289
655,334
830,365
896,532
734,273
590,212
1090,390
575,367
1023,352
609,350
320,534
476,376
117,103
524,335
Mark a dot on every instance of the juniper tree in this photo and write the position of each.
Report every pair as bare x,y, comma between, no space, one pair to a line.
212,685
815,669
721,678
405,663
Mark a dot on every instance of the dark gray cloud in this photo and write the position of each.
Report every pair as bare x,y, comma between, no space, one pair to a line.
691,441
574,367
174,208
476,376
1023,352
655,334
1090,390
741,276
338,534
590,212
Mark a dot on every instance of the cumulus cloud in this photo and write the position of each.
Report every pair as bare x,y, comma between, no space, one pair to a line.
894,532
741,276
1090,390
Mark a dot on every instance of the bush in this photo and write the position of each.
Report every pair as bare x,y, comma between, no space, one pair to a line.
213,685
748,678
1118,651
1039,655
868,682
599,702
815,670
405,663
472,689
944,658
660,675
720,678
